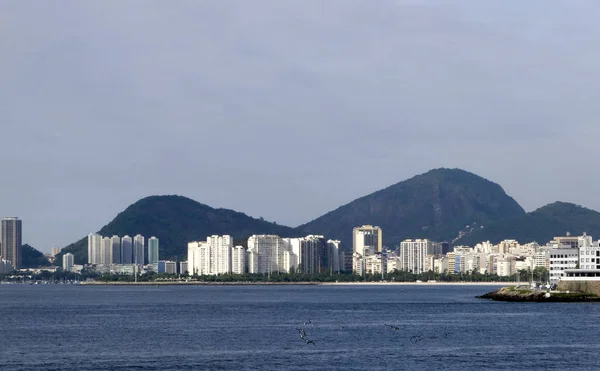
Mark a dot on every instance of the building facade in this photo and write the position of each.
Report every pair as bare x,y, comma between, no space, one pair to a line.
12,240
126,250
138,250
94,249
153,255
68,262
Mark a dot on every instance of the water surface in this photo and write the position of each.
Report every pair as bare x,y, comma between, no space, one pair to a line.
62,327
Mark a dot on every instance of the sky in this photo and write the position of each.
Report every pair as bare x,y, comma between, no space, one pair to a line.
288,109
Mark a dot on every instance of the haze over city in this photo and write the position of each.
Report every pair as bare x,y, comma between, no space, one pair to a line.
244,104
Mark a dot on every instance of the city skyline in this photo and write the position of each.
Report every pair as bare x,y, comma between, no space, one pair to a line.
464,79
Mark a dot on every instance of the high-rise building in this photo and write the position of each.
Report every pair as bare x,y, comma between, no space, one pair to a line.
198,258
266,254
220,253
313,254
11,240
153,255
94,248
138,249
413,254
126,250
115,250
106,251
68,262
367,240
210,257
334,253
238,260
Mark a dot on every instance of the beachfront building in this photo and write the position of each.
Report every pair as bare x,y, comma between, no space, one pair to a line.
126,250
414,255
238,260
153,256
68,262
210,257
561,259
94,249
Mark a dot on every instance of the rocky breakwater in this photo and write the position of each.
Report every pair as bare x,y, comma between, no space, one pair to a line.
527,295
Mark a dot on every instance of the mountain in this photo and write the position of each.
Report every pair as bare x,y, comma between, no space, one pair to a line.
175,221
541,225
436,205
32,258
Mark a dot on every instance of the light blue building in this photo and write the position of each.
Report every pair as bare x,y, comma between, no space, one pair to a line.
153,251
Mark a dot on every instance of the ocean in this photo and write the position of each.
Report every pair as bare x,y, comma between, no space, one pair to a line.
439,327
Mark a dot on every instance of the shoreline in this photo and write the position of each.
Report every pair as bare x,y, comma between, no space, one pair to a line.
98,283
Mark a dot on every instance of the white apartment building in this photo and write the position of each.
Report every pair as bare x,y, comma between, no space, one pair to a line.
589,256
220,253
375,264
542,258
238,260
505,266
505,246
266,254
138,249
358,264
94,248
106,257
561,259
68,262
198,258
413,254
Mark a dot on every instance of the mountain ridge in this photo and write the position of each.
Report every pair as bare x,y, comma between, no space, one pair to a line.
438,204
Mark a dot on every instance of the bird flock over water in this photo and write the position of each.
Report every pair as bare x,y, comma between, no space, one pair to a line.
304,334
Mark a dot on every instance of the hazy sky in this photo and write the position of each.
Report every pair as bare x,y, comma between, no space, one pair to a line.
288,109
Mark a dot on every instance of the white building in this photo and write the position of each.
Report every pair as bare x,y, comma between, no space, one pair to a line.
238,260
68,262
589,256
413,254
211,257
220,253
266,254
375,264
126,250
106,255
138,249
505,266
561,259
94,248
198,258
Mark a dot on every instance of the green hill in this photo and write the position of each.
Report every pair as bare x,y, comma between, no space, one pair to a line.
175,221
32,258
435,205
541,225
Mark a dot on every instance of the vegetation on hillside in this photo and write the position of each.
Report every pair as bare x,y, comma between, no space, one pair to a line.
541,225
32,258
434,205
175,221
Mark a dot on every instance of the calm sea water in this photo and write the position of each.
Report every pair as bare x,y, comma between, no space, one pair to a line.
56,327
